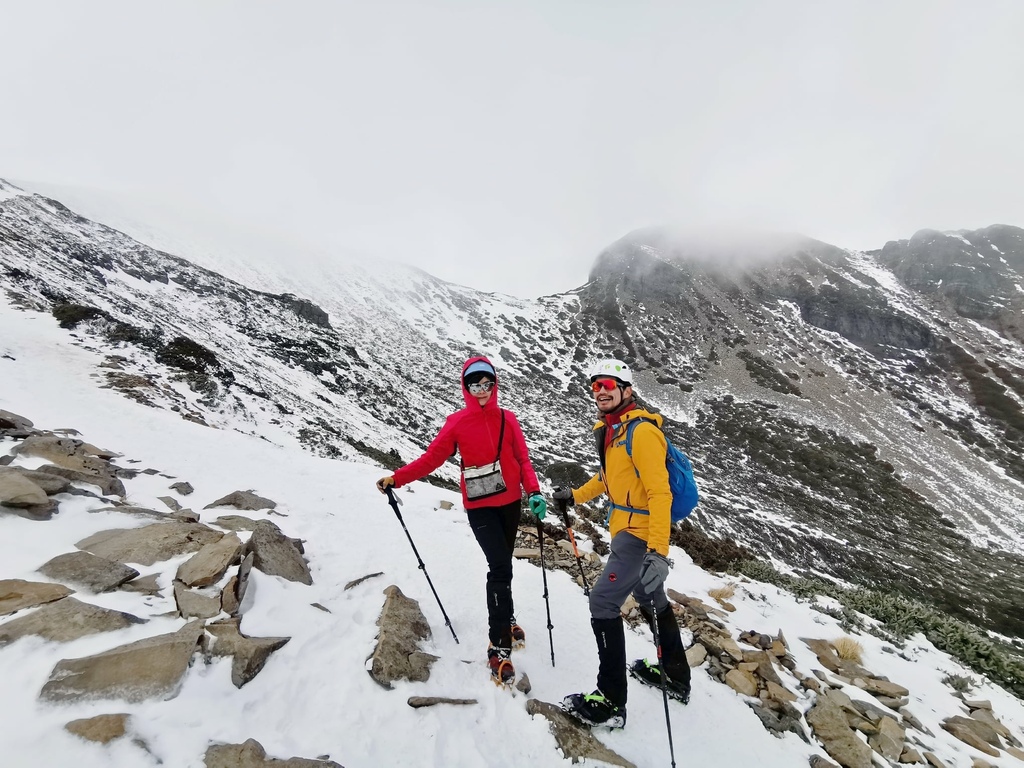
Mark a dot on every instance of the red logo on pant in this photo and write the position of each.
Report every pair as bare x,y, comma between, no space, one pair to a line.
611,577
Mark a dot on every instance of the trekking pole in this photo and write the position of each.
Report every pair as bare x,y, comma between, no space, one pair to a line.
563,510
544,575
394,502
664,690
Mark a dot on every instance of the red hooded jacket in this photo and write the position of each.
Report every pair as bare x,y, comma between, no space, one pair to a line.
475,430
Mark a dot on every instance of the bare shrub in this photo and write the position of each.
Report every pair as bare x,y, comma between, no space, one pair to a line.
849,649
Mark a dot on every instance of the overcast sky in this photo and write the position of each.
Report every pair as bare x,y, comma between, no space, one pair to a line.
502,144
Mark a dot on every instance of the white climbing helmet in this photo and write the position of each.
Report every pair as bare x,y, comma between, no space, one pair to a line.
614,368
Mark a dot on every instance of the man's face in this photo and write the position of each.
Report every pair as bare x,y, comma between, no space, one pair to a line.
609,394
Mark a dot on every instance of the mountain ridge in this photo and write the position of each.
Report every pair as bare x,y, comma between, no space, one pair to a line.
796,385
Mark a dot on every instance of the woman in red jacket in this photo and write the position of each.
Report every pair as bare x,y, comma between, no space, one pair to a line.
495,470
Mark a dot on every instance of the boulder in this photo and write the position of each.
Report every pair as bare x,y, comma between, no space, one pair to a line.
146,669
246,500
243,576
986,716
194,604
50,484
911,756
210,563
248,654
276,555
16,490
397,655
984,730
829,725
66,620
888,742
575,740
108,484
252,755
14,422
968,736
102,728
934,761
170,502
229,602
183,488
741,681
696,654
84,569
16,594
151,543
523,684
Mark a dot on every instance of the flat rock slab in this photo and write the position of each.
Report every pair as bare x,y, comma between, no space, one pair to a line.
16,594
50,484
210,563
170,502
418,702
84,569
147,585
248,654
183,488
397,655
252,755
235,522
276,555
243,500
574,739
151,543
18,491
66,452
146,669
134,511
102,728
829,724
66,620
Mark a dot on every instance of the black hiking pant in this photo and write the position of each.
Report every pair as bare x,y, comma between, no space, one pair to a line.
495,529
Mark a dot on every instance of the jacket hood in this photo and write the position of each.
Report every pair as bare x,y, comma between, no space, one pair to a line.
470,400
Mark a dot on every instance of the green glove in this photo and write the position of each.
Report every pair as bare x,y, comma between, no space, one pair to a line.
538,507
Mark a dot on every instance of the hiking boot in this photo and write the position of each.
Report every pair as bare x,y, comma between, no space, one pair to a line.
594,709
518,637
502,671
650,674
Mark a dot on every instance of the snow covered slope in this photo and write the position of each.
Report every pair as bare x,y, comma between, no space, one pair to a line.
314,696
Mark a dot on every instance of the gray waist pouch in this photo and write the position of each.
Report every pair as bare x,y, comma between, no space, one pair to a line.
487,480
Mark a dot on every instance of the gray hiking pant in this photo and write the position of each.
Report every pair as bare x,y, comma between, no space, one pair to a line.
620,577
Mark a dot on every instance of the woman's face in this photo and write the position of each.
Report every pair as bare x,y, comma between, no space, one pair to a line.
482,390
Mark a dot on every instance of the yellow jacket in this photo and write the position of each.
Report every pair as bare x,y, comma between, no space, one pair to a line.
641,483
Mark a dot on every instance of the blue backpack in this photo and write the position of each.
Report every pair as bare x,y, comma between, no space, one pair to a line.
680,477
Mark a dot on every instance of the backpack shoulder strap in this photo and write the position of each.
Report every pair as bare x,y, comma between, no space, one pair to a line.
630,426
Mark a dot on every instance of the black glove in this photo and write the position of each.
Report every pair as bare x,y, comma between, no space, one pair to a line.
563,496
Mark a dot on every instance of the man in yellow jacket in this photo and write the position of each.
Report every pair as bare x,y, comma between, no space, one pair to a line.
639,523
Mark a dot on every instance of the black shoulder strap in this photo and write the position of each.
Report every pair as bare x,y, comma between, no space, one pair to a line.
501,435
599,434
